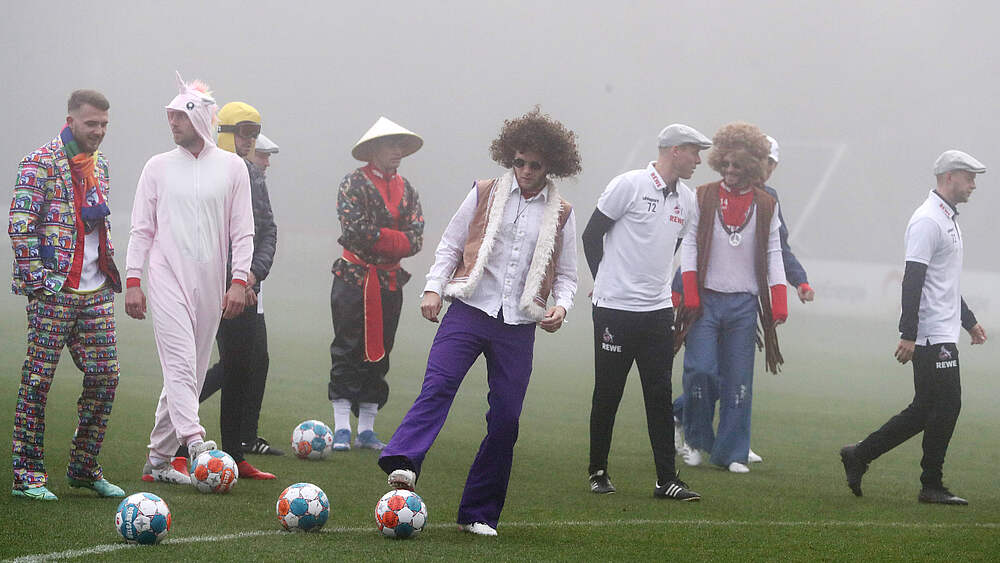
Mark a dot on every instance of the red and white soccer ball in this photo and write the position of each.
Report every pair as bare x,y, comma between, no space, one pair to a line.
400,514
214,471
302,507
143,518
312,439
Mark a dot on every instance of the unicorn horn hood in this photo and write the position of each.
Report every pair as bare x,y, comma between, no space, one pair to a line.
195,99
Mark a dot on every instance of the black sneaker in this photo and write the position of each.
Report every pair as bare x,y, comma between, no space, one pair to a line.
260,447
600,483
853,467
677,490
940,496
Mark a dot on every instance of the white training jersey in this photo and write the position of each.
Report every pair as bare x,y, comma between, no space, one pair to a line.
933,238
636,269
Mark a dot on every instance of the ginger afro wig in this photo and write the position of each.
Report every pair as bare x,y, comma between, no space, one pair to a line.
747,144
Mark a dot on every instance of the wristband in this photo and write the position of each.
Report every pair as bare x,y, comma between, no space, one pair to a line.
779,302
240,282
132,282
805,286
690,282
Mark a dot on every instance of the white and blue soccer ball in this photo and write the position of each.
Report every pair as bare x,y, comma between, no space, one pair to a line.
214,471
400,514
312,440
302,507
143,518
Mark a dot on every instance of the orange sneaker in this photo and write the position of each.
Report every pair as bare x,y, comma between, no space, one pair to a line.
248,471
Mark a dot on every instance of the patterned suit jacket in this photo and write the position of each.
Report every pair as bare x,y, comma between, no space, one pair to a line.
45,222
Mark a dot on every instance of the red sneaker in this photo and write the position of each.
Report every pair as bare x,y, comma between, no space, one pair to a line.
180,464
248,471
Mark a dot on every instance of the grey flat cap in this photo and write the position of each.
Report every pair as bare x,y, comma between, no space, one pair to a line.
265,145
957,160
678,134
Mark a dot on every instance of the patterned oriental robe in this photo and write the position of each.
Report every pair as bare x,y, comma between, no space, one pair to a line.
381,222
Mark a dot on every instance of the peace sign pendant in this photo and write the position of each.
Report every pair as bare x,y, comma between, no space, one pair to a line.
735,239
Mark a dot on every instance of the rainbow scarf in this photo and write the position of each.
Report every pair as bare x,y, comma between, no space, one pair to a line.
83,168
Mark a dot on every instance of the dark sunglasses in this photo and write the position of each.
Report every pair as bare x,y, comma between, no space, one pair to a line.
520,162
245,130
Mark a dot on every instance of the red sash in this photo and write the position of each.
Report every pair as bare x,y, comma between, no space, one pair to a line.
372,294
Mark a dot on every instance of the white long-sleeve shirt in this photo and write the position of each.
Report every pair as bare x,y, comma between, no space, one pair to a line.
507,266
731,269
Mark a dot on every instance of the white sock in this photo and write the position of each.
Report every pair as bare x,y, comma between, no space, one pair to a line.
195,442
156,461
341,414
366,416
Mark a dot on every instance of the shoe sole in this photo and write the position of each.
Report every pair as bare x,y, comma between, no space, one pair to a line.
22,494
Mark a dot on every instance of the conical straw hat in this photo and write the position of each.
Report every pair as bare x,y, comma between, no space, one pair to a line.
385,127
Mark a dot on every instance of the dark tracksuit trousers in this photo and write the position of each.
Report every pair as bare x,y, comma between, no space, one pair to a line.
937,400
241,374
622,338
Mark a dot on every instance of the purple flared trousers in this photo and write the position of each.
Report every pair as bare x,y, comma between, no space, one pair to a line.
465,333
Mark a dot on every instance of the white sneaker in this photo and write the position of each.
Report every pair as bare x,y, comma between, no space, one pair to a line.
737,467
198,449
678,435
754,458
479,528
165,473
404,479
692,456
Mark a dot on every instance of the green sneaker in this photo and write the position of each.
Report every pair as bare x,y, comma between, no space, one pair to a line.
103,488
34,493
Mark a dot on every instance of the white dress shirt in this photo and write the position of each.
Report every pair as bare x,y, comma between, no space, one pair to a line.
507,266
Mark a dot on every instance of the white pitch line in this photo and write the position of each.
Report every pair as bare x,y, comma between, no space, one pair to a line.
99,549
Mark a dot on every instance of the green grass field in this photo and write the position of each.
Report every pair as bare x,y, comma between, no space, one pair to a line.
839,383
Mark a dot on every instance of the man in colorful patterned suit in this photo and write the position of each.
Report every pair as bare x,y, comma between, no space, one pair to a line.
381,222
64,264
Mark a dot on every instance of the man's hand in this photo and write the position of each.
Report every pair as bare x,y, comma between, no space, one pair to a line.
251,297
234,301
553,319
251,279
806,293
978,334
904,351
430,306
135,303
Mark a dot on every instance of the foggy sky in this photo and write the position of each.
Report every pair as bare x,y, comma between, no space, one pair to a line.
893,83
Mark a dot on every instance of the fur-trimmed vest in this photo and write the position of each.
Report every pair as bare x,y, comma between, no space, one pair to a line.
708,205
493,195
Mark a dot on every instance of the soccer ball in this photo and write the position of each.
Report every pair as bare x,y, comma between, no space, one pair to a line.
214,471
143,518
312,440
400,514
302,507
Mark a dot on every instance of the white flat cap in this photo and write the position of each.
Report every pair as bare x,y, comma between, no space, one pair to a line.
957,160
265,145
775,149
679,134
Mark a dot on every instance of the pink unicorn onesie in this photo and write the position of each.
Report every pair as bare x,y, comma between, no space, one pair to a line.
191,206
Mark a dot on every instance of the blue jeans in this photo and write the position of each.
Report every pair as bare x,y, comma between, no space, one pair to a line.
718,366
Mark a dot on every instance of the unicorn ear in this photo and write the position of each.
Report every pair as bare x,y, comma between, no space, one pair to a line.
180,81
